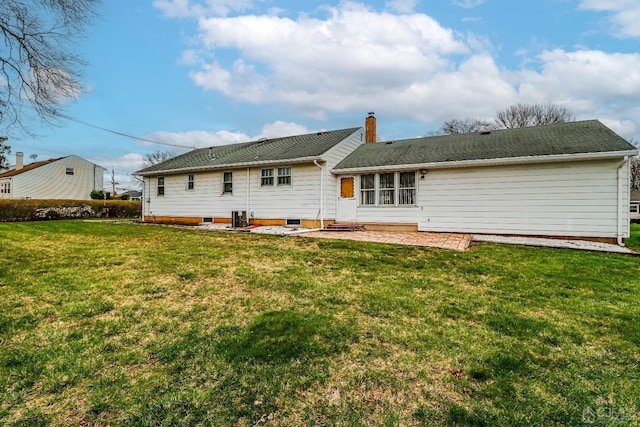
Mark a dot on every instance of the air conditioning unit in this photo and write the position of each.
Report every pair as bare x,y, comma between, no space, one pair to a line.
239,219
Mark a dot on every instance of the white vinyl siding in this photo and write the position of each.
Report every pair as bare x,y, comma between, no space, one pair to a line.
50,181
561,199
299,199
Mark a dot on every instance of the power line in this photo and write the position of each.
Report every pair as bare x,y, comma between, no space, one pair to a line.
126,135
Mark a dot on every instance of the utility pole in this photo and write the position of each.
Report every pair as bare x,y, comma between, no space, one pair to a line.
113,182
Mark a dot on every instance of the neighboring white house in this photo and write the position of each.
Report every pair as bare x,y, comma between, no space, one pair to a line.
634,206
68,177
566,180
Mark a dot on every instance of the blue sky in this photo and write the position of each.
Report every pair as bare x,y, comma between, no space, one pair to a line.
211,72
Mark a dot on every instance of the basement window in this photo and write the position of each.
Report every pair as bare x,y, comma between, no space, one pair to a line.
293,222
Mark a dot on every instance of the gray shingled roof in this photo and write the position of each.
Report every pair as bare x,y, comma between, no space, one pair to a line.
292,148
562,139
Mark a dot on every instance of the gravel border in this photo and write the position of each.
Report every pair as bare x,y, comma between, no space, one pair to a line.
584,245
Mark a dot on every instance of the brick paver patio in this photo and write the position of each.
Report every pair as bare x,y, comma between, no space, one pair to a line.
457,242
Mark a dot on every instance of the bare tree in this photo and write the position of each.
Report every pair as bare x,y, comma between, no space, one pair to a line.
38,69
523,115
466,125
151,159
635,172
5,150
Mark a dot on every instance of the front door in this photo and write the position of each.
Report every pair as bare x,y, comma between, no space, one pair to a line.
347,202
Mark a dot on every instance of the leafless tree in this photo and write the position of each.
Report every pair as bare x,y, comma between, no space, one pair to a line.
38,68
635,173
5,150
151,159
466,125
523,115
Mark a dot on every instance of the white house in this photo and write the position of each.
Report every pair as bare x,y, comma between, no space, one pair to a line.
68,177
566,180
272,181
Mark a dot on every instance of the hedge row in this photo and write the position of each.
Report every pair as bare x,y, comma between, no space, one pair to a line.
38,210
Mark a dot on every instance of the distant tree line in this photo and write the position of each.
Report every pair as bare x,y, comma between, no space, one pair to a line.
516,116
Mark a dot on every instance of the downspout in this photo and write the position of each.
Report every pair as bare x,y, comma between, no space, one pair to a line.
248,195
315,162
619,232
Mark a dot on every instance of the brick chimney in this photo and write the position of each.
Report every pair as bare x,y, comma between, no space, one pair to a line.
19,160
370,129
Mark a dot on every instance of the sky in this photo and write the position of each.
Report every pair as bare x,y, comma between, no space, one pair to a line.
199,73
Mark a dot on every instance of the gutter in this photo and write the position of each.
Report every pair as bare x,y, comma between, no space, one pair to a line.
230,166
315,162
619,210
489,162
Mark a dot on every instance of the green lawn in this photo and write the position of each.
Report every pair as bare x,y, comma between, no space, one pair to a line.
116,324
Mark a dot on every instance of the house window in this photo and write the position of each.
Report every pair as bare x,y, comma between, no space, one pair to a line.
634,208
160,186
5,188
227,182
407,188
191,181
367,189
387,189
266,177
70,171
284,176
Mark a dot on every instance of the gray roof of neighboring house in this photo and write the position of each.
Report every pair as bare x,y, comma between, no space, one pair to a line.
635,195
275,150
532,142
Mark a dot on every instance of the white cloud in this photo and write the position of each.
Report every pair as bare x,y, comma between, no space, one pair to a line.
624,15
467,4
593,84
341,63
189,8
197,138
401,65
402,6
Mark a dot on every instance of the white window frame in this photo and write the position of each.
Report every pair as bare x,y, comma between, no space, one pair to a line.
369,193
385,192
284,176
634,208
225,182
191,182
410,192
160,184
267,180
397,191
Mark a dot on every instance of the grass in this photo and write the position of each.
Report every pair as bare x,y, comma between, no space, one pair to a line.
115,324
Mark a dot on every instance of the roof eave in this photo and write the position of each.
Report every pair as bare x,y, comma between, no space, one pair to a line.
206,168
490,162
